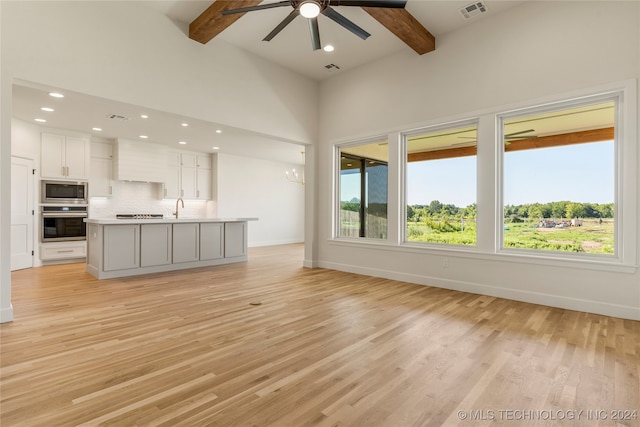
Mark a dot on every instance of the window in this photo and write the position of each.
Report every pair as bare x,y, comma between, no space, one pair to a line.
441,185
550,183
559,177
363,190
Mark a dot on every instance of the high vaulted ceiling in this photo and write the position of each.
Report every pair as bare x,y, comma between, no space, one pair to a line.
292,49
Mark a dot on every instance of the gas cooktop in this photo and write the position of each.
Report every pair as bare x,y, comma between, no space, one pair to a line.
139,216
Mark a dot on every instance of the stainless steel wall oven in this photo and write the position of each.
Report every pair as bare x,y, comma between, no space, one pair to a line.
63,223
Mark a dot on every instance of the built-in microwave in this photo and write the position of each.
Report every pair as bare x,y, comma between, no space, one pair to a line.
64,192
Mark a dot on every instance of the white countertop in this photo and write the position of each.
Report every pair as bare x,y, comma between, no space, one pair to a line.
105,221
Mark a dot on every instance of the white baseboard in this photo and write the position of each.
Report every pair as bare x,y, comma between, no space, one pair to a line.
274,243
6,314
558,301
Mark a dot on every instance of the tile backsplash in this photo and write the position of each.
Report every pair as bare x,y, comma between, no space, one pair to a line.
145,198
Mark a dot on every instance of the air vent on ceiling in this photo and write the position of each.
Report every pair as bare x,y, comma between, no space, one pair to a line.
473,9
117,117
331,67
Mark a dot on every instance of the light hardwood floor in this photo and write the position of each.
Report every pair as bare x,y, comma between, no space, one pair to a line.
324,348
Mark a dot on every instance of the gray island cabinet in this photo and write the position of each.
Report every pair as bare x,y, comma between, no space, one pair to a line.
119,248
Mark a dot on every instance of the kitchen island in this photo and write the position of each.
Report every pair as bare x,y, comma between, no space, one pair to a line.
128,247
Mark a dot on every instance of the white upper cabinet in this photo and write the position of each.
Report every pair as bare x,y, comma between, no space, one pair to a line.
101,176
189,175
204,177
65,157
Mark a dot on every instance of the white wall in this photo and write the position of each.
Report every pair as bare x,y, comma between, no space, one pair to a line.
535,50
129,53
249,187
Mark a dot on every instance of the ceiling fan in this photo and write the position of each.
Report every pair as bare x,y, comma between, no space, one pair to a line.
311,9
391,14
510,136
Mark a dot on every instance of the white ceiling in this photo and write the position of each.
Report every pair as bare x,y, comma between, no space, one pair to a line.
290,49
79,112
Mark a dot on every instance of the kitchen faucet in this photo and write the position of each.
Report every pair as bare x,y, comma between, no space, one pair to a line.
176,212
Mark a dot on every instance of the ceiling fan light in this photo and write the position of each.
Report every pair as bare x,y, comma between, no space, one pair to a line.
310,9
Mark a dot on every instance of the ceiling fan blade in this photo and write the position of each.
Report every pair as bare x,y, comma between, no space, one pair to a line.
286,21
258,7
315,33
370,3
346,23
509,135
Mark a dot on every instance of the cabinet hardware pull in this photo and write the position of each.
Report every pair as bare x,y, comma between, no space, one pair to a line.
64,251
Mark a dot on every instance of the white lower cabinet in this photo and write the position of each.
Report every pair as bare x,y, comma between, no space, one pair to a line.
235,239
211,240
63,250
121,249
185,242
118,250
155,244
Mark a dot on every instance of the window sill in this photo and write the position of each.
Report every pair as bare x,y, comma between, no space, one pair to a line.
549,260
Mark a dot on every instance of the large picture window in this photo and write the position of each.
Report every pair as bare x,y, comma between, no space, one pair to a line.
363,190
559,177
441,185
549,182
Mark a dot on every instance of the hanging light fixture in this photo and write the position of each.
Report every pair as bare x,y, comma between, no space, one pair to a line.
294,176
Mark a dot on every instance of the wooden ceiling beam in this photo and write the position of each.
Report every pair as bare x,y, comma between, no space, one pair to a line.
211,22
407,28
595,135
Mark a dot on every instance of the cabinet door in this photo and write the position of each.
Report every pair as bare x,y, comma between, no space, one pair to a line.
76,157
211,240
172,182
186,246
155,244
204,161
101,176
121,247
235,239
188,178
52,155
203,191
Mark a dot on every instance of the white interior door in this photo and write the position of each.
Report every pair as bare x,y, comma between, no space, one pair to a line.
22,215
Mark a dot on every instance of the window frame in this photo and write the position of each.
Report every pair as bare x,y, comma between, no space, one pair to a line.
490,212
404,140
337,149
501,118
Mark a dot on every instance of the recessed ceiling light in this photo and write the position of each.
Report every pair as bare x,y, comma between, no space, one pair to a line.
328,48
182,142
144,136
216,148
97,129
40,120
56,95
47,109
185,124
218,131
144,116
